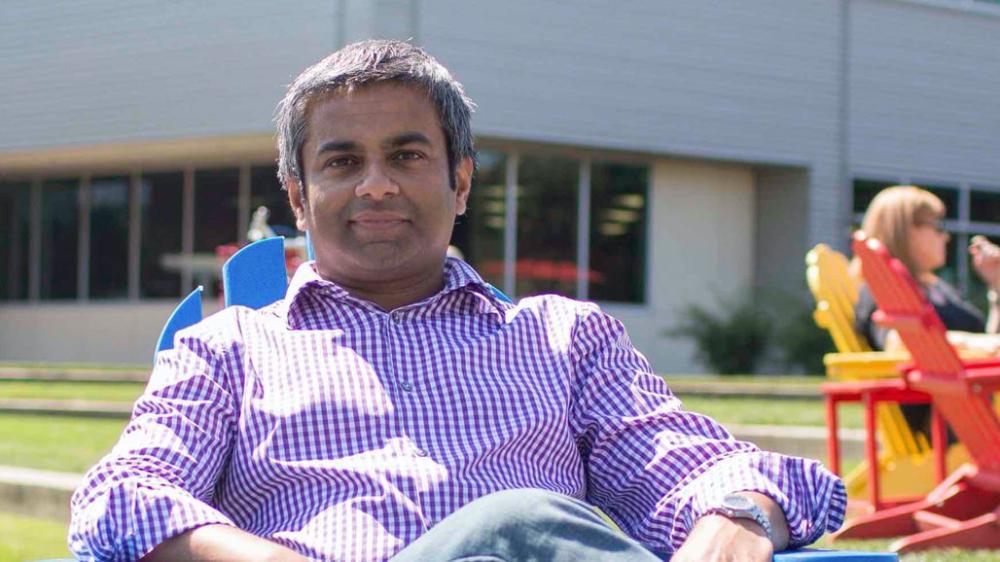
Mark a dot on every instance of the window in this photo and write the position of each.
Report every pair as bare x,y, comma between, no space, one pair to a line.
14,237
984,206
161,201
216,216
479,234
60,239
617,233
948,196
266,191
865,191
109,211
546,225
215,209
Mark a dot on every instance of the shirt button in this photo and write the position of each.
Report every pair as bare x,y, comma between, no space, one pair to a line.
407,386
421,453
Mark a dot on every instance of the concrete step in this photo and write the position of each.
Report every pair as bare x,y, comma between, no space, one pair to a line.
37,493
743,389
90,375
88,408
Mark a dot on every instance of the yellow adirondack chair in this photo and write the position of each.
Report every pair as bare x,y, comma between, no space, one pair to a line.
906,466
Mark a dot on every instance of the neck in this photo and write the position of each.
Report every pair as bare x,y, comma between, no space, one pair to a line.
390,294
926,277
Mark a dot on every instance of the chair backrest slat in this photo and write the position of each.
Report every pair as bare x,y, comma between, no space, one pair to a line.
836,293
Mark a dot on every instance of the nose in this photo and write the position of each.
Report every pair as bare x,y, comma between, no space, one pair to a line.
376,184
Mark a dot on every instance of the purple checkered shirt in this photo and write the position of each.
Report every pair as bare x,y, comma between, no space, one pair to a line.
344,432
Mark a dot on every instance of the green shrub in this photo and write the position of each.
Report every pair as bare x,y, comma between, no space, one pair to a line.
731,339
801,342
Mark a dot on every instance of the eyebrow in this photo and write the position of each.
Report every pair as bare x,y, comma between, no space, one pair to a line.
407,138
395,142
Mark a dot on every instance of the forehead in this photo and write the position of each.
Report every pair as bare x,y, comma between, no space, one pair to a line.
369,111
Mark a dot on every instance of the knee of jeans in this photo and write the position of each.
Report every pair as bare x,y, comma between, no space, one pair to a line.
526,504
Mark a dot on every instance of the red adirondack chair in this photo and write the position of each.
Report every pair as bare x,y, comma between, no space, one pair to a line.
964,509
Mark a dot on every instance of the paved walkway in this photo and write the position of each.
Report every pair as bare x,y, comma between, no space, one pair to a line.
56,374
87,408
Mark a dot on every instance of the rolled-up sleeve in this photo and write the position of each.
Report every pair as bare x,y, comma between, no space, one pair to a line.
159,479
655,468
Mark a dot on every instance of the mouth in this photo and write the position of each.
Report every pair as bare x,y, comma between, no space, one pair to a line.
378,220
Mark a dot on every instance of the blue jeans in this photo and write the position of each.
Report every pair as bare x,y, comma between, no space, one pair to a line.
524,525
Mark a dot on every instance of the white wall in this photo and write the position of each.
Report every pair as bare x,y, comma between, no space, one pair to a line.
701,245
88,333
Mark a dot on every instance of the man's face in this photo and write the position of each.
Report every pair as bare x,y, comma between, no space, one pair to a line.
380,206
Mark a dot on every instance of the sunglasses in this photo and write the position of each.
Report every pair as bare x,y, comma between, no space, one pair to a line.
937,225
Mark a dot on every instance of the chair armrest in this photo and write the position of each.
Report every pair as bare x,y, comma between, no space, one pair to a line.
864,365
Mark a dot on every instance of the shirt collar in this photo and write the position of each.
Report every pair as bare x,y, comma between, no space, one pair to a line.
458,276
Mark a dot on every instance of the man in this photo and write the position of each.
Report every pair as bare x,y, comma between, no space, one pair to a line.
392,406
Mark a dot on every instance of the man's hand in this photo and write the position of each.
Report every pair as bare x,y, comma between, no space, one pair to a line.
716,538
221,543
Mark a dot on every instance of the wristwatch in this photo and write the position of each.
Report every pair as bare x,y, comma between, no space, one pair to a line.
735,506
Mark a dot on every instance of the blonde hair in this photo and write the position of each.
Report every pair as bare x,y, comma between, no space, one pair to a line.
890,216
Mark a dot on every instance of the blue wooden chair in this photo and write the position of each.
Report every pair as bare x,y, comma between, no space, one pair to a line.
256,276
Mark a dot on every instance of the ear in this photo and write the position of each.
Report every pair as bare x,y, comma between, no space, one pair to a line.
296,199
463,185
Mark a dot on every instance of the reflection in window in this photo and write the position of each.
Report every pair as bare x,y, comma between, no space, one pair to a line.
109,237
984,206
546,225
215,208
479,234
618,233
14,236
60,239
266,191
162,197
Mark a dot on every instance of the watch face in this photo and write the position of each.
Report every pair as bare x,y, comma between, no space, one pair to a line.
737,502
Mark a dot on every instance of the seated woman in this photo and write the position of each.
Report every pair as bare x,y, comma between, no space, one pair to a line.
908,222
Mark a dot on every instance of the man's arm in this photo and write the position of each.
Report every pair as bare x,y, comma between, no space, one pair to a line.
221,543
159,479
657,470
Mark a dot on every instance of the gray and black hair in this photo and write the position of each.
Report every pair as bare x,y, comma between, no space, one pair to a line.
363,64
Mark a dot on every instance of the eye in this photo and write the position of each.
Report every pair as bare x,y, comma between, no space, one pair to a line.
340,162
407,155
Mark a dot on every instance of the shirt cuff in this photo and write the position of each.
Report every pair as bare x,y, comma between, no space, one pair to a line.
128,525
812,498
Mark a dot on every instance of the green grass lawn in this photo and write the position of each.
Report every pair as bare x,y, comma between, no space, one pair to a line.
60,443
65,390
30,538
764,411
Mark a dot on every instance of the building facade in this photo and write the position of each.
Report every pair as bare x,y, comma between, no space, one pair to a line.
644,154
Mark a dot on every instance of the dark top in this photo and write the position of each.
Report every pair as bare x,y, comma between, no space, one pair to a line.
955,313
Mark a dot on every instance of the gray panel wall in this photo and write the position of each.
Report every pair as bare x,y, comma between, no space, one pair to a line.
747,79
102,71
925,91
753,81
782,211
